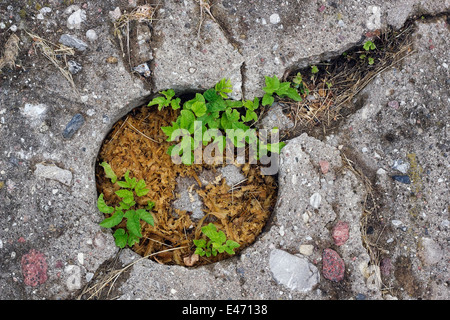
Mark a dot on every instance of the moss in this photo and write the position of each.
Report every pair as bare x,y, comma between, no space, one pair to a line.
23,13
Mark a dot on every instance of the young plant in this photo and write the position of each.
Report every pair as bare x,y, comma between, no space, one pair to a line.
217,242
210,114
299,84
281,89
368,46
130,188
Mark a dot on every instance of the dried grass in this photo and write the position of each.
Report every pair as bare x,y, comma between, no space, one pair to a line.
341,80
56,54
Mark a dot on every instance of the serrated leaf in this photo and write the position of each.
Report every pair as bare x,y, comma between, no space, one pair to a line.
131,181
150,205
200,243
133,223
112,221
102,206
109,172
123,184
145,216
293,94
159,101
186,119
121,238
126,195
268,100
175,104
132,240
199,108
169,94
272,84
200,252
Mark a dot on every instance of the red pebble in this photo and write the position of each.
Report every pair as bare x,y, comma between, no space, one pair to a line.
34,268
333,266
340,233
324,166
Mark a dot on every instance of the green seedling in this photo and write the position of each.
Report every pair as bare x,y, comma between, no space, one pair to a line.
217,242
299,84
130,188
369,45
314,69
166,100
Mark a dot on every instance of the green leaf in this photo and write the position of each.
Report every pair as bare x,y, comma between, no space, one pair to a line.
126,195
275,147
140,188
371,60
112,221
200,252
131,182
199,108
126,206
293,94
133,223
230,246
132,240
369,45
268,99
109,172
150,205
211,95
160,101
146,216
169,94
102,206
175,104
121,238
272,84
200,243
124,184
314,69
223,87
187,118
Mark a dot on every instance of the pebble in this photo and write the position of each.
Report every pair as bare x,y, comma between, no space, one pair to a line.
324,166
115,14
91,35
401,166
431,252
76,19
397,223
333,266
73,126
275,18
402,179
340,233
53,173
294,272
74,67
73,42
143,70
315,200
386,266
306,249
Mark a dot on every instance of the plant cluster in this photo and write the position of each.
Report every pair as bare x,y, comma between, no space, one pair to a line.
130,188
368,46
205,117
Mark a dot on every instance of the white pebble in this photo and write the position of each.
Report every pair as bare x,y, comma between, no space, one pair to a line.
91,35
275,18
315,200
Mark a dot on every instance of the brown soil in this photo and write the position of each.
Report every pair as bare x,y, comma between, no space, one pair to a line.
136,143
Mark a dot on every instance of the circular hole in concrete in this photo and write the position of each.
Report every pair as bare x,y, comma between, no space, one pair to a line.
237,198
